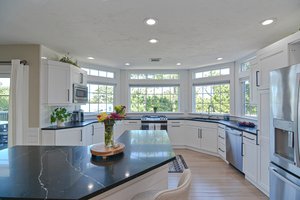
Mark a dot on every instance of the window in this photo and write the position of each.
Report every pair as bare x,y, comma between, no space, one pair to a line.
245,66
100,73
100,98
212,73
215,98
4,106
143,99
155,76
247,109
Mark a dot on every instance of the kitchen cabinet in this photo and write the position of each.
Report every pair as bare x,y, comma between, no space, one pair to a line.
201,137
64,137
176,132
97,133
57,87
132,125
79,76
222,142
250,157
272,57
263,141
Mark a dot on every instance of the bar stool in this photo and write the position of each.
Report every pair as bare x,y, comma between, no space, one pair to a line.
179,193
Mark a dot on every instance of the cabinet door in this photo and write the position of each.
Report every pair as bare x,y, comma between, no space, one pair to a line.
272,57
119,129
59,85
264,139
209,139
250,164
176,133
69,137
98,133
132,125
88,135
192,136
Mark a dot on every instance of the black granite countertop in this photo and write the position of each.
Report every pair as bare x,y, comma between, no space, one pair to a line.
54,172
232,124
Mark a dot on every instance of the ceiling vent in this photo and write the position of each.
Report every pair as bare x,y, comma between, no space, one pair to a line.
155,59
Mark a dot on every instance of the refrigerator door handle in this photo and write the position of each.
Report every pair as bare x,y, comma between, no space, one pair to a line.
278,175
296,134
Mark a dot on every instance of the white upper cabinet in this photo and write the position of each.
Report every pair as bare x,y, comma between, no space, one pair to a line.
57,82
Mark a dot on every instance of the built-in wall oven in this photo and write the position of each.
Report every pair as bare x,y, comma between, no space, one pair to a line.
80,93
154,122
284,135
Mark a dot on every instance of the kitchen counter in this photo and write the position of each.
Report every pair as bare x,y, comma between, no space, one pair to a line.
232,124
60,172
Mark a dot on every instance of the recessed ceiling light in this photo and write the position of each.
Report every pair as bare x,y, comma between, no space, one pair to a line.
267,22
219,58
90,58
43,57
153,41
178,64
127,64
150,21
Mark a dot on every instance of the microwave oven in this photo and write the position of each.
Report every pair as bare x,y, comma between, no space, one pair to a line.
80,94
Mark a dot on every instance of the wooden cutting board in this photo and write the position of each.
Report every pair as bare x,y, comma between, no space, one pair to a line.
100,150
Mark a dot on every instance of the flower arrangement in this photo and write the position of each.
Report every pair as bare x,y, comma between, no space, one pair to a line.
112,117
109,120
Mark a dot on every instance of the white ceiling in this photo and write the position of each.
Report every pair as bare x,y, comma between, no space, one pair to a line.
193,32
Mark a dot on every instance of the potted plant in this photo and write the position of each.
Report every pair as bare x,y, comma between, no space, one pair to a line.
60,115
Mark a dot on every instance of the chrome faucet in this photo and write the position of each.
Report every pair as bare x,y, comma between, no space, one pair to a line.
209,109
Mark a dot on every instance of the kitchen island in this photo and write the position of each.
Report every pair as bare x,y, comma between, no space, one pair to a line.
61,172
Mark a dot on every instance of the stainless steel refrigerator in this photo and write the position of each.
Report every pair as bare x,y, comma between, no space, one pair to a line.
284,137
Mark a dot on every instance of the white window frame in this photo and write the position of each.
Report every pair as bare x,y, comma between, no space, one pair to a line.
212,80
242,98
181,83
104,81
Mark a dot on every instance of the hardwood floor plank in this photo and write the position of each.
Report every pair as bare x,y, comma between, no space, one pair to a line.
213,179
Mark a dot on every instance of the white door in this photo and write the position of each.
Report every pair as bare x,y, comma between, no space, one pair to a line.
192,136
209,139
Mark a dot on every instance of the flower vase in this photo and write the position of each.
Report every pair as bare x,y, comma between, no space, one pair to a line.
60,123
109,135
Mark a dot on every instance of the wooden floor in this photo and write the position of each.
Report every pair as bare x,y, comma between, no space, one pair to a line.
213,179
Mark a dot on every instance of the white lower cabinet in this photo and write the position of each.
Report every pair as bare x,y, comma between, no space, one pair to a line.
97,133
202,138
250,157
176,132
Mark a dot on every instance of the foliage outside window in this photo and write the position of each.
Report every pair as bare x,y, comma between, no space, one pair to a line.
143,99
245,66
4,98
212,73
213,97
100,73
247,108
155,76
100,98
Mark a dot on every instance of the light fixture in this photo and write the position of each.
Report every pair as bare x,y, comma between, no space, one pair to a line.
150,21
267,22
178,64
90,58
43,57
153,41
127,64
219,58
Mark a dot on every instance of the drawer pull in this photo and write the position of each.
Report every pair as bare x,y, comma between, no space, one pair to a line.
221,150
175,122
132,122
221,137
175,125
248,138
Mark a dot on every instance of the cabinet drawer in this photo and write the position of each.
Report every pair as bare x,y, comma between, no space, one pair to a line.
249,137
175,122
221,135
221,147
222,153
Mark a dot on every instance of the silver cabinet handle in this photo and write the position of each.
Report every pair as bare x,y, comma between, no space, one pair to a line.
81,77
198,133
248,138
132,122
201,133
221,150
257,137
68,95
175,122
221,137
93,130
175,126
80,135
256,79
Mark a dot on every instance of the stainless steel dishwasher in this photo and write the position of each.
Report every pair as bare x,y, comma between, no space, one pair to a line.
234,150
